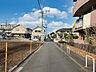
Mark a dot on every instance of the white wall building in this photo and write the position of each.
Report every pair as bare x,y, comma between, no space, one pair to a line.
38,33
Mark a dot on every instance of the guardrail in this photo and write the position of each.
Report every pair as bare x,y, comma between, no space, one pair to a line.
68,50
87,62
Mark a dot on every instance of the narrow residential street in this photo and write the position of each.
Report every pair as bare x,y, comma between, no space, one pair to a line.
50,59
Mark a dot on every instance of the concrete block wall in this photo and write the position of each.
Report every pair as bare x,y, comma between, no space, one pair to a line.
81,52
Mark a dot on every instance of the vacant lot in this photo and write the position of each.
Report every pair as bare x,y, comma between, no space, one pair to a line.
17,51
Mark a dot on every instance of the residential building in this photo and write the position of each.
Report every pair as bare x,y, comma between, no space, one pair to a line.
20,31
5,29
62,31
38,33
86,11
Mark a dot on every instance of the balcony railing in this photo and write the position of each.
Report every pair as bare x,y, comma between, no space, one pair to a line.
79,23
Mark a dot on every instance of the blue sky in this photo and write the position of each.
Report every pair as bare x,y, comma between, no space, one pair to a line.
27,13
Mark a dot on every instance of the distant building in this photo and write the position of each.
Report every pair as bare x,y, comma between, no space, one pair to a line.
86,11
38,33
62,31
20,31
5,29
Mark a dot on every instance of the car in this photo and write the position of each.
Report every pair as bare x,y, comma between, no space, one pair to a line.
3,37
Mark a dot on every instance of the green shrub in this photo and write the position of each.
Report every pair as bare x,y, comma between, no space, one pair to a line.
75,36
61,41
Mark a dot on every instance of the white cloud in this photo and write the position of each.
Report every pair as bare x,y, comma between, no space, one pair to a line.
70,9
13,22
57,25
34,9
53,12
33,18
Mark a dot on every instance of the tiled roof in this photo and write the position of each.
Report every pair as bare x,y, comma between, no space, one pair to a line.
64,29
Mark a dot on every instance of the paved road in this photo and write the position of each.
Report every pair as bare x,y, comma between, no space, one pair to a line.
50,59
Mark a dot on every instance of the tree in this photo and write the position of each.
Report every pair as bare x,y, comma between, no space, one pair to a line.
68,37
60,35
75,36
55,35
90,35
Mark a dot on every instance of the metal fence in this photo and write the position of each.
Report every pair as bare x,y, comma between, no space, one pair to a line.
75,56
14,52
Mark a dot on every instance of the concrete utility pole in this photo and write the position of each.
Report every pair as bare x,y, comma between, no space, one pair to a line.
41,12
42,17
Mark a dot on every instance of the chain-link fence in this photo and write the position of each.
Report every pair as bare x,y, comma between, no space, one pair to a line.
14,52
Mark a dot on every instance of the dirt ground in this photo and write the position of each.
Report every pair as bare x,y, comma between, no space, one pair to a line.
17,51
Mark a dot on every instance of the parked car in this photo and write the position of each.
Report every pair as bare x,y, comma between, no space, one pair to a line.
3,37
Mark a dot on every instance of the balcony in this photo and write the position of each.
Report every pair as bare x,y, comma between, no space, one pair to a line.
78,25
88,20
82,7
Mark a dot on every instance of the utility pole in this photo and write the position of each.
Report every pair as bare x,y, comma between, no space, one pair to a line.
42,17
41,12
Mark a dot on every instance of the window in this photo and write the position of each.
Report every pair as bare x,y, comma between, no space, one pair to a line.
37,31
23,30
17,29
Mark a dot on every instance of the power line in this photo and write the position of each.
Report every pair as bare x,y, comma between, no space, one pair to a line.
39,5
42,12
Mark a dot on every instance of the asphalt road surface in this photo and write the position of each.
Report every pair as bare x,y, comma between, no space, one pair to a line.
50,59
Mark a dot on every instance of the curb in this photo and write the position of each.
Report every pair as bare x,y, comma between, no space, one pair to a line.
71,58
16,66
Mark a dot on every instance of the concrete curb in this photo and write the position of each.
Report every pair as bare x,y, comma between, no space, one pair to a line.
71,58
16,66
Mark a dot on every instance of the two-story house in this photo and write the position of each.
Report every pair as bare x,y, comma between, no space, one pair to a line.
5,29
62,31
20,31
38,33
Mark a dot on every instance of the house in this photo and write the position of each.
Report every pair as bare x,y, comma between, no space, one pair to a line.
20,31
5,29
64,30
61,32
38,33
86,11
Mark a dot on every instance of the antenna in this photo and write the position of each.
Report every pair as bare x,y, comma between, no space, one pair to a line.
6,22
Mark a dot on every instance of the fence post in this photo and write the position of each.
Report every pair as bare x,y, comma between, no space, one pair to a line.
30,46
6,58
